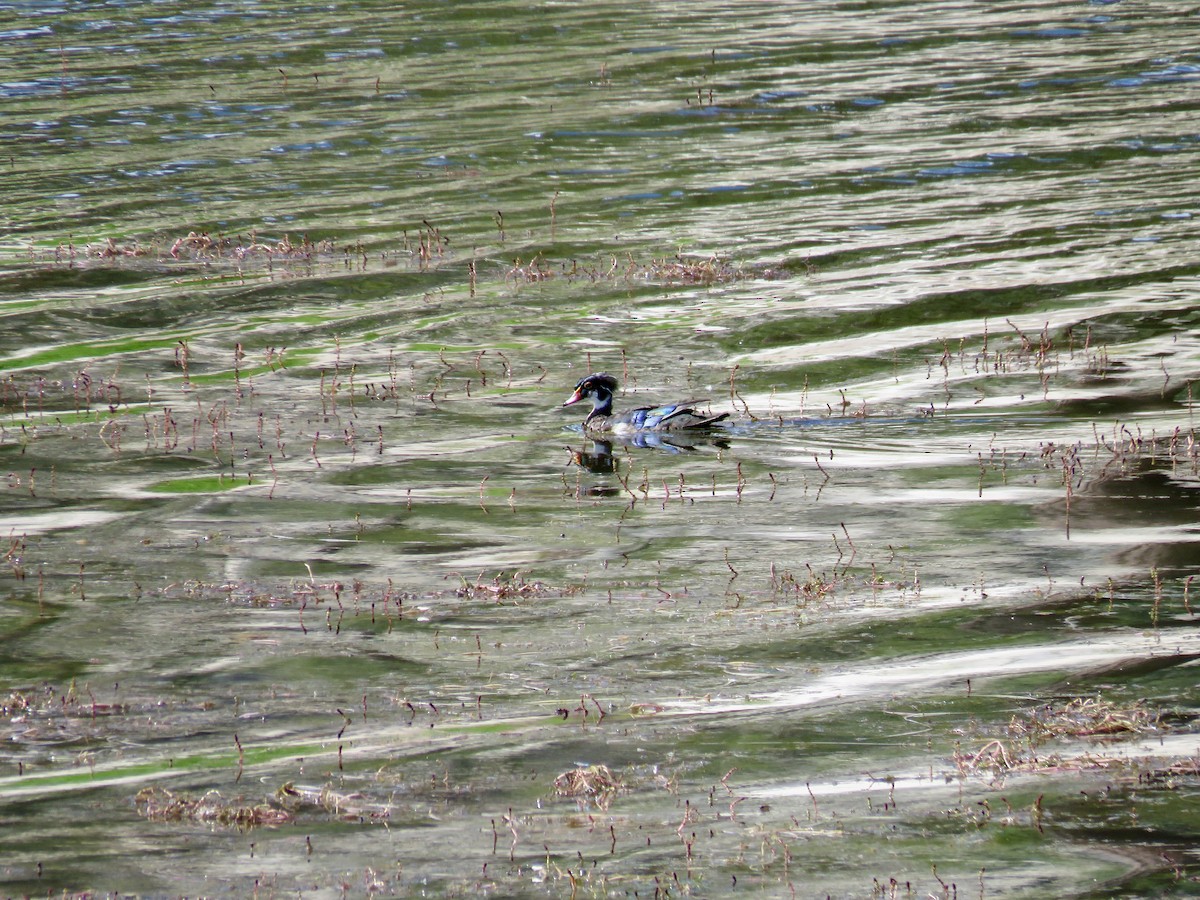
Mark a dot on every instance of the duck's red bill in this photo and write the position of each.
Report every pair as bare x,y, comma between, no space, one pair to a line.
575,397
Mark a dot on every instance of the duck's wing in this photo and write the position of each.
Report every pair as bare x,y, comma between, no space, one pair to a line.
634,419
690,419
676,416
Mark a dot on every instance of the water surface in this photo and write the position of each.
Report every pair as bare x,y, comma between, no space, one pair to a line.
313,587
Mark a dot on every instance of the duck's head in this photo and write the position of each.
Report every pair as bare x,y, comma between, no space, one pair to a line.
600,386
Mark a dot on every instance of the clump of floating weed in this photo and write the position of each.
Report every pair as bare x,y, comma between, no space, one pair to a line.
208,248
201,245
347,807
51,703
685,270
806,588
1084,717
504,586
160,805
678,269
842,581
1028,732
589,786
16,704
341,598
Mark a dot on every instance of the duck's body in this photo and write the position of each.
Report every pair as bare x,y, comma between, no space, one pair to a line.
678,416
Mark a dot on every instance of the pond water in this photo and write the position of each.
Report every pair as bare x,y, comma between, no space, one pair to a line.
311,586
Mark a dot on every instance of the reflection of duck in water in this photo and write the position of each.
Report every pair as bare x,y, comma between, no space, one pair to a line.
679,416
600,460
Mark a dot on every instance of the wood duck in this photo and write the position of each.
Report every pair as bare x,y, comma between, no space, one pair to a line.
678,416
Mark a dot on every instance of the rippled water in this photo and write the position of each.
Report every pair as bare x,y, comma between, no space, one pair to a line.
311,586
